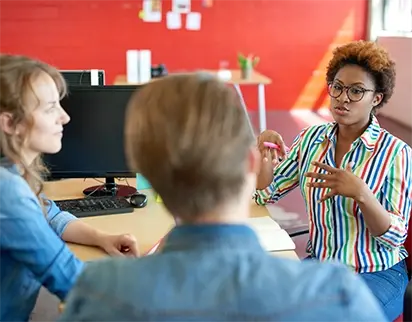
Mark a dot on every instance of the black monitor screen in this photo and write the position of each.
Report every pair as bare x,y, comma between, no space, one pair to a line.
93,140
82,77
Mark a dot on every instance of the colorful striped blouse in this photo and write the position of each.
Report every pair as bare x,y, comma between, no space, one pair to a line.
337,230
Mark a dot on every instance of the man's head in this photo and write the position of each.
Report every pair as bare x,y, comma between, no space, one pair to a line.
189,136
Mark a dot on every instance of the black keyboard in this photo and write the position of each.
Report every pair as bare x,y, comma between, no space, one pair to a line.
89,207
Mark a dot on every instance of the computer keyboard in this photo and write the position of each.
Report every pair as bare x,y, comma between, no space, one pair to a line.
89,207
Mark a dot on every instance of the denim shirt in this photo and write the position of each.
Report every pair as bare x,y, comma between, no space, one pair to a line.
218,273
32,251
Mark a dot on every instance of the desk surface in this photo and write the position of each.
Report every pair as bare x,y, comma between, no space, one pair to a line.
255,79
149,224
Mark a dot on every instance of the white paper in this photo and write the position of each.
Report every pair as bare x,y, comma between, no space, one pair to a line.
174,20
271,236
193,21
263,223
277,240
149,15
181,6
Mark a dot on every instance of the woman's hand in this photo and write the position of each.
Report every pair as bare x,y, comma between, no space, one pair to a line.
272,137
119,245
270,157
341,182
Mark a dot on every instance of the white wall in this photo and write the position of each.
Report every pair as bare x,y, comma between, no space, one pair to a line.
399,107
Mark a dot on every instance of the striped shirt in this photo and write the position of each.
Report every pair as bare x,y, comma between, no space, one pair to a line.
337,229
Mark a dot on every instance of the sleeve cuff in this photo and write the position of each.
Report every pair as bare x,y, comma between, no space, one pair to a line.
60,222
264,196
394,236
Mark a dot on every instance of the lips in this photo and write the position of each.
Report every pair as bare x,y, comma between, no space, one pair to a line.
341,110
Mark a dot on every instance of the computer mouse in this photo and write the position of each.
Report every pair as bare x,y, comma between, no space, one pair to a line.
138,200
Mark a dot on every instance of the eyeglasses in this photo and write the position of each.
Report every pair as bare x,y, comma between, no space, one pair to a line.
354,92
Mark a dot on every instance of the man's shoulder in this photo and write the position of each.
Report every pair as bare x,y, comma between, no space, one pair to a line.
328,278
325,288
103,274
316,290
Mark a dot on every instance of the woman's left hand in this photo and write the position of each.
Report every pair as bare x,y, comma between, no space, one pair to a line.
341,181
120,245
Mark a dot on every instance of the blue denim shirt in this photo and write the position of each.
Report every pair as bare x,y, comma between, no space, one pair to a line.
218,273
32,252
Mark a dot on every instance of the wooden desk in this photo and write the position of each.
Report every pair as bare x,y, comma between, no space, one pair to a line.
236,80
149,224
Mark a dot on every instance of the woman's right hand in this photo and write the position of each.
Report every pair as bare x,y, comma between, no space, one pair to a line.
269,157
272,137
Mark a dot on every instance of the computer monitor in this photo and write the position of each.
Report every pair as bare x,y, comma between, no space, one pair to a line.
91,77
93,140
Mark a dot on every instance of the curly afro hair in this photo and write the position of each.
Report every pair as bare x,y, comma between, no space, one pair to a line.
372,58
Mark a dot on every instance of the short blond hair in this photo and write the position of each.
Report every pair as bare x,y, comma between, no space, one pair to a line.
189,136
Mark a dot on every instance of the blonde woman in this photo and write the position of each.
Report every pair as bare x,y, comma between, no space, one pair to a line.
33,229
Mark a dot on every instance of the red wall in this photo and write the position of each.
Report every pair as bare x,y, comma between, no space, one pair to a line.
290,36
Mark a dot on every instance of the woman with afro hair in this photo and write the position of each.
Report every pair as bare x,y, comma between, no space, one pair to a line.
355,177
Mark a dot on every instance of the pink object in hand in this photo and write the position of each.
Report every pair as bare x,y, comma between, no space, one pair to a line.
271,145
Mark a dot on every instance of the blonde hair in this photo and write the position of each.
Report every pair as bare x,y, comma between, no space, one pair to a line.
189,136
16,76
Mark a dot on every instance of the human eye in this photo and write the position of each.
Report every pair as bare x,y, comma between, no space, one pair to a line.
336,86
51,107
357,90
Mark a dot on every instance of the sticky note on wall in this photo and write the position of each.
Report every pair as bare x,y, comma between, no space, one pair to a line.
207,3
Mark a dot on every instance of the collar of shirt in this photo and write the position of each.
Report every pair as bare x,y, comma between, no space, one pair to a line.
7,164
212,236
368,138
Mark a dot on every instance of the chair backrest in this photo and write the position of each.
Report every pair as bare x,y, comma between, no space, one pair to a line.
408,246
407,307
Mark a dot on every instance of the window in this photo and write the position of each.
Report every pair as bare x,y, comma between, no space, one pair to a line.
397,15
390,18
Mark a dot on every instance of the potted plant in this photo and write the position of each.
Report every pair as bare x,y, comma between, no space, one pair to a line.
246,64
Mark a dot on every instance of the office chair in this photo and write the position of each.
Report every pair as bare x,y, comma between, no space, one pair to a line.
298,231
407,302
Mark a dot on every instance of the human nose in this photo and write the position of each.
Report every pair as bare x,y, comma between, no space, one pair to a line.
344,97
64,117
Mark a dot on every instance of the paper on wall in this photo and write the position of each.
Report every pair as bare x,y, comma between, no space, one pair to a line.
152,11
193,21
174,20
207,3
181,6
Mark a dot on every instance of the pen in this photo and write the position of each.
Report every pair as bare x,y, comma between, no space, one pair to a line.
271,145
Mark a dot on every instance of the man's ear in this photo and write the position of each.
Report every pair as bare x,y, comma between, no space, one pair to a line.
254,160
377,99
6,123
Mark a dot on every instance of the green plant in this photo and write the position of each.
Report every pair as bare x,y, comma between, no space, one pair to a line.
249,61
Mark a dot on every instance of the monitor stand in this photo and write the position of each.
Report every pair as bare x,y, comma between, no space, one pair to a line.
109,188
